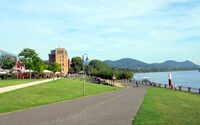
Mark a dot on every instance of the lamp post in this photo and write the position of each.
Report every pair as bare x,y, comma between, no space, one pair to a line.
113,79
84,59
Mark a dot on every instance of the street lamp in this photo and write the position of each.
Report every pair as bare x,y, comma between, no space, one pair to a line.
113,79
84,59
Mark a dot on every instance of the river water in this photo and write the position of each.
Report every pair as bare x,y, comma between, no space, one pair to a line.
180,78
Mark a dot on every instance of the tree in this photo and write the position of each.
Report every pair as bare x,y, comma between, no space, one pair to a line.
97,64
54,67
8,62
39,65
31,61
101,69
27,55
77,64
124,74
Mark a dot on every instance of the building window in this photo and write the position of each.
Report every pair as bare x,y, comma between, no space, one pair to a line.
59,51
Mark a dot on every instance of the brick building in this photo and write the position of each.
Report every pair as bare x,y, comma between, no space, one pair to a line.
60,56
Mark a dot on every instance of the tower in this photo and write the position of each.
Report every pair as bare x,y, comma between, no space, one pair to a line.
60,56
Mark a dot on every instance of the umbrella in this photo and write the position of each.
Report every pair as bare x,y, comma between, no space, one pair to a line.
57,72
47,71
2,73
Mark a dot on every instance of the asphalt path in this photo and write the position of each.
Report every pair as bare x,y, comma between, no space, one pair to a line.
111,108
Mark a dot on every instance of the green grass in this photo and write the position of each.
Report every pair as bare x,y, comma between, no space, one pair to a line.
4,83
46,93
168,107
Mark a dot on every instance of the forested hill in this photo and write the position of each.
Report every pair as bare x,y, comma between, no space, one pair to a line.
128,63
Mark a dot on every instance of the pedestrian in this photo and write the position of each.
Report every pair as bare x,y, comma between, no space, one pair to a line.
136,84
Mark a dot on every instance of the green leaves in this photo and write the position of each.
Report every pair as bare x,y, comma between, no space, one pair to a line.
31,60
101,69
38,65
99,65
27,56
77,64
54,67
8,63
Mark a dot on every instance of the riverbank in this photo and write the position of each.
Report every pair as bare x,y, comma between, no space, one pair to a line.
167,107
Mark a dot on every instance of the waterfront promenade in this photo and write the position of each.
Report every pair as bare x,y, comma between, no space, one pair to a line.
111,108
178,88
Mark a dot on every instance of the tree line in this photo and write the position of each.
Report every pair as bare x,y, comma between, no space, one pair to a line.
142,70
100,69
30,59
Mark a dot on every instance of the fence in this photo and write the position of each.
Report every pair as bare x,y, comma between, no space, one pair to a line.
177,88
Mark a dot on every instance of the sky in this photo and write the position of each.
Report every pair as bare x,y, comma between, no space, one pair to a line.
147,30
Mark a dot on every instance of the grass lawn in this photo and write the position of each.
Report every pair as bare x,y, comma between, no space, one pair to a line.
50,92
168,107
4,83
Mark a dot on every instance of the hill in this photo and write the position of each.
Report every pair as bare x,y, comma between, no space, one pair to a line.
126,63
167,65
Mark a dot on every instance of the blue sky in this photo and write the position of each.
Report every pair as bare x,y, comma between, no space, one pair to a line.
147,30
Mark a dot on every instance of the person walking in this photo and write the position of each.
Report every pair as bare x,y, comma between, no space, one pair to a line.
136,83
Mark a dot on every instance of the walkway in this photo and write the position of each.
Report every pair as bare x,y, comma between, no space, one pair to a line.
14,87
112,108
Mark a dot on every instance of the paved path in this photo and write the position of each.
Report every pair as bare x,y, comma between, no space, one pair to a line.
112,108
14,87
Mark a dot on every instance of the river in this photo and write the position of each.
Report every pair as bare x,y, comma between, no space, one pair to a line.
180,78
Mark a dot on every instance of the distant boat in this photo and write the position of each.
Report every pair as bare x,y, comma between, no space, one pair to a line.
146,79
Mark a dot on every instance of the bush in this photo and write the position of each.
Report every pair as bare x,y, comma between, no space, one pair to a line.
102,70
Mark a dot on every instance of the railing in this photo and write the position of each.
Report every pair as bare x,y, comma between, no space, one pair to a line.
177,88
